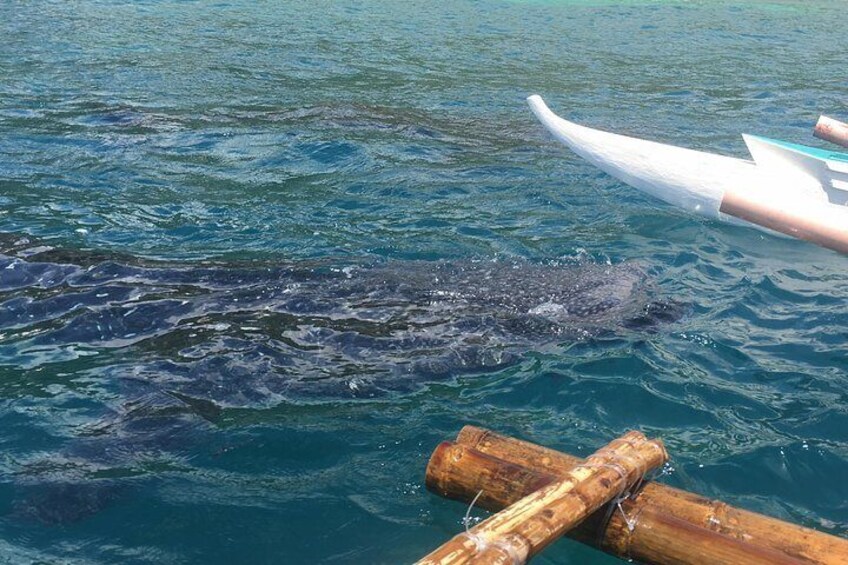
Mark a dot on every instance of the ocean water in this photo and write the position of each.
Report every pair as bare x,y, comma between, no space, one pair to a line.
257,259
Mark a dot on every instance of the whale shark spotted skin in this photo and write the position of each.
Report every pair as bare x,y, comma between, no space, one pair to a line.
183,343
255,334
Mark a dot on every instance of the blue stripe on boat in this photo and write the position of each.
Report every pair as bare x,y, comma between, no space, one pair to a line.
807,150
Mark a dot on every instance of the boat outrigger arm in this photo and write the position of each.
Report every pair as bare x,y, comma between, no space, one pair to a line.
792,189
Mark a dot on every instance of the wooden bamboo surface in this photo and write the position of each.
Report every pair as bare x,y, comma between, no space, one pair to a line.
662,517
832,130
533,522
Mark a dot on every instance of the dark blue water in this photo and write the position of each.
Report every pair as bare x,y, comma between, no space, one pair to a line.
257,260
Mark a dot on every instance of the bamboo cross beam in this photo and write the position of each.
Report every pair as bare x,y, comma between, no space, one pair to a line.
661,525
531,523
831,130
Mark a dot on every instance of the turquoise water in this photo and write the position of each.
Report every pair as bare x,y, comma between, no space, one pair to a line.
258,259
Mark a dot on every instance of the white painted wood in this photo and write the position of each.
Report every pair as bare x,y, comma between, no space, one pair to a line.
692,180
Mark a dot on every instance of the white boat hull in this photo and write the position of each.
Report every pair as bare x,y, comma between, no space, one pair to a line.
783,189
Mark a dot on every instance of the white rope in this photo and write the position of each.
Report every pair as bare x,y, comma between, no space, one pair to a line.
467,518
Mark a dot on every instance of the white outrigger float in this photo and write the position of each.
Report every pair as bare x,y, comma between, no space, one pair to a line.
793,189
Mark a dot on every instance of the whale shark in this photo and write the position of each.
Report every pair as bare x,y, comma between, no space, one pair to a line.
164,348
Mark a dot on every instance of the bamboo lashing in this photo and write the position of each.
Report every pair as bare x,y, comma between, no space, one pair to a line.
831,130
531,523
660,525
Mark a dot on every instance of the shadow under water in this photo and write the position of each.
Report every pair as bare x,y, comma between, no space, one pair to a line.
182,343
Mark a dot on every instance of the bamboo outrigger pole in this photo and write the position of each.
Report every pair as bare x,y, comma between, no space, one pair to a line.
831,130
531,523
660,525
814,221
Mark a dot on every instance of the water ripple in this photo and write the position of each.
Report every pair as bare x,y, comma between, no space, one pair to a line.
188,368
